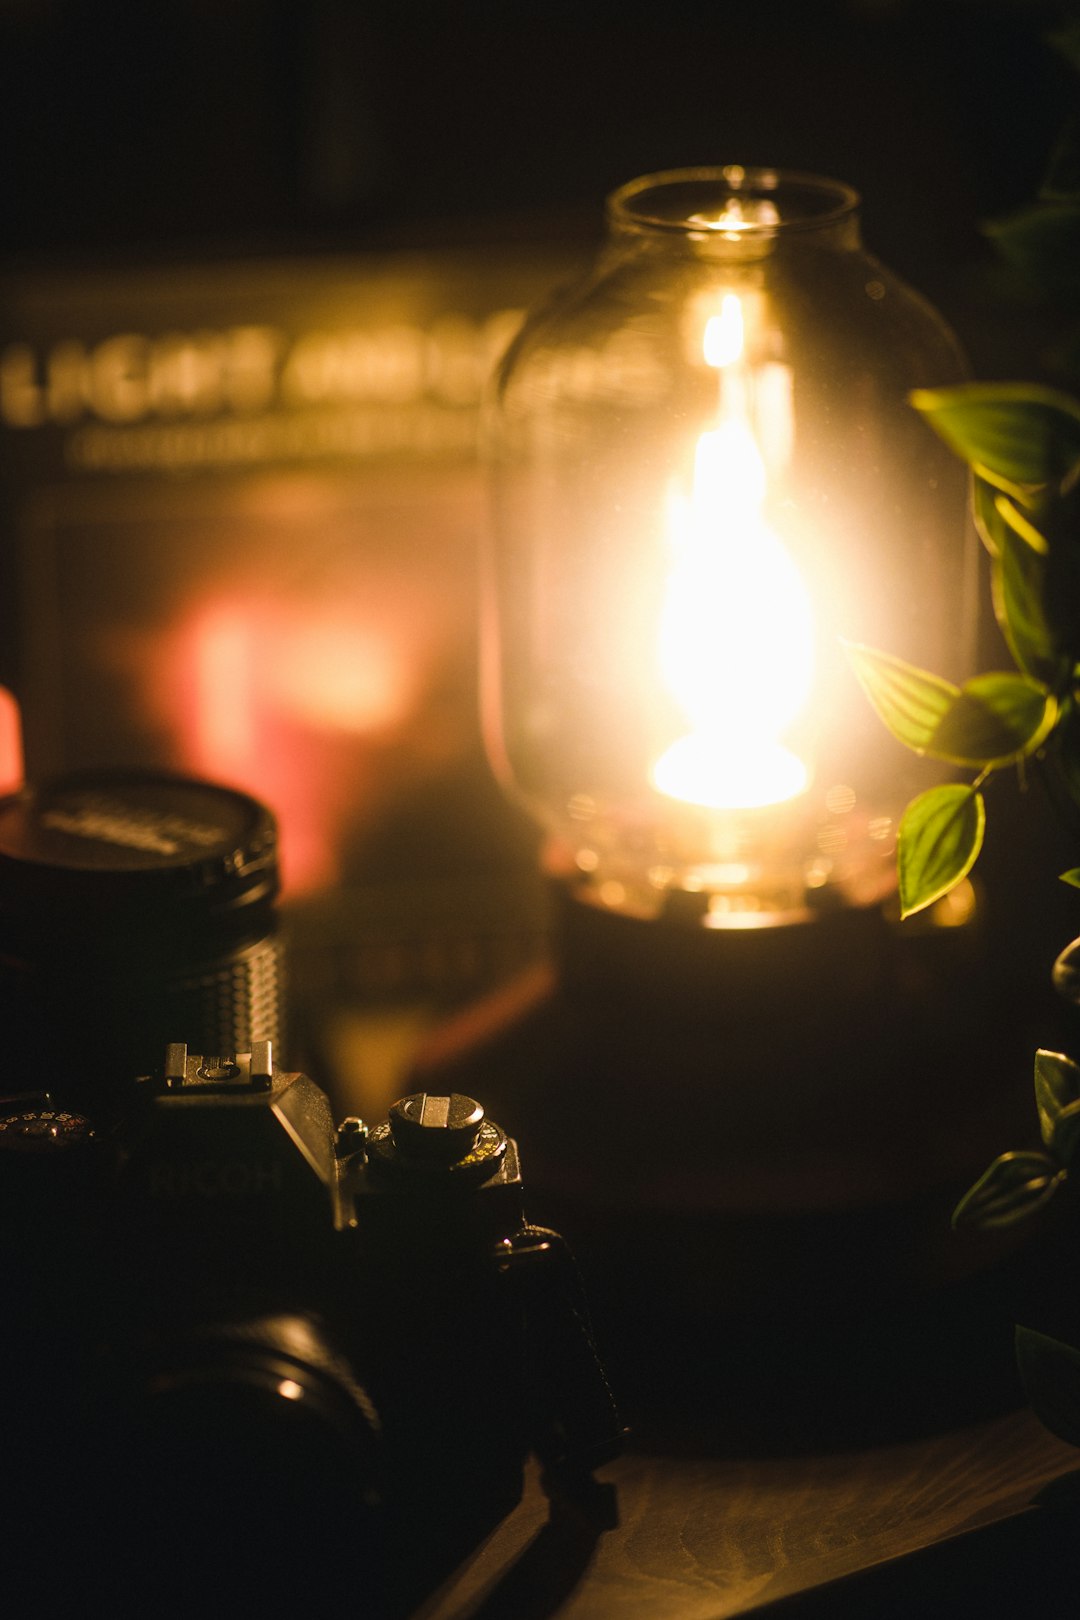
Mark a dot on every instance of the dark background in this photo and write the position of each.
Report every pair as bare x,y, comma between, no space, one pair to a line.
209,127
173,131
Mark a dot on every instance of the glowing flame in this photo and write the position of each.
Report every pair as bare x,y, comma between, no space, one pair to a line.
736,630
725,334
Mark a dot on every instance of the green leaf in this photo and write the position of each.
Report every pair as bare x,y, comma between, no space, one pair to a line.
1050,1374
988,518
993,720
910,701
1015,435
1057,1097
1072,876
1018,585
941,833
1043,241
1016,593
1014,1186
990,721
1021,526
1065,974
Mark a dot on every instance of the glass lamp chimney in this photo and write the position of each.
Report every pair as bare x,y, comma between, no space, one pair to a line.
707,477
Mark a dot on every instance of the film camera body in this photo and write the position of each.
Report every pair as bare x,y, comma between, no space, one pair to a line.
259,1351
248,1356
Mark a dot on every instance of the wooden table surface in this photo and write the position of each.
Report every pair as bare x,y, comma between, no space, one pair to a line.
700,1539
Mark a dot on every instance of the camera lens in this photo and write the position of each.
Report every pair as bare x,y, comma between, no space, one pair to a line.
260,1404
134,908
259,1428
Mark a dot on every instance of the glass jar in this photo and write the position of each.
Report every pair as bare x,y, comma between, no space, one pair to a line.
709,477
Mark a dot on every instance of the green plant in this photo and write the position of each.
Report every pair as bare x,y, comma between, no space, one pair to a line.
1022,444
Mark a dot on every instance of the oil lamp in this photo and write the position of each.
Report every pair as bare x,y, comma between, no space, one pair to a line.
746,1087
708,476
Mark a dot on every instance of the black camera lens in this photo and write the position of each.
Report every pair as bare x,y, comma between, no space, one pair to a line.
260,1429
268,1405
133,906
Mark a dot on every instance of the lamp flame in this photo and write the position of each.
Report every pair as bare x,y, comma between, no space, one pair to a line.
736,645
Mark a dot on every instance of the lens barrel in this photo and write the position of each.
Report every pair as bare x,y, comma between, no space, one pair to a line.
134,908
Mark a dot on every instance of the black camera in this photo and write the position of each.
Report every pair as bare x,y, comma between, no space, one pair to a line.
252,1355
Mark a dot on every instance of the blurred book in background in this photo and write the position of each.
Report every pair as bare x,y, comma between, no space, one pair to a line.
243,506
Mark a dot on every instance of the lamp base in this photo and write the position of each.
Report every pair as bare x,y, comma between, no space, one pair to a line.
754,1141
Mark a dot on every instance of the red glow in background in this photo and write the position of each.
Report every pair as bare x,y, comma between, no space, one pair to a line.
320,657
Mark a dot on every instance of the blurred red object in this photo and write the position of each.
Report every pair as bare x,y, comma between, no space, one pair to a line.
11,748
